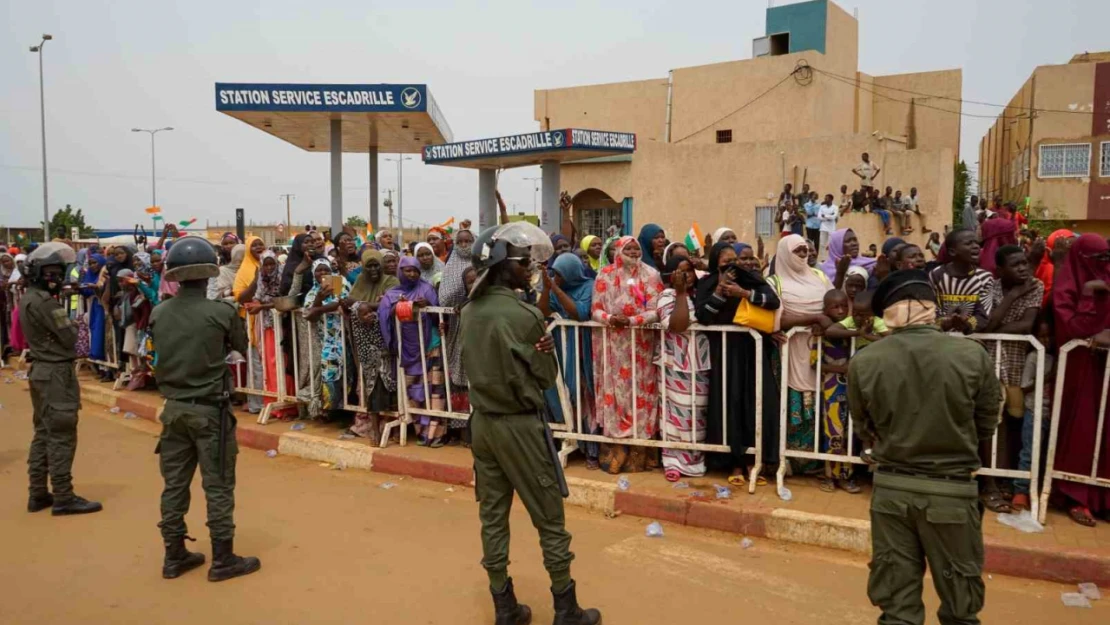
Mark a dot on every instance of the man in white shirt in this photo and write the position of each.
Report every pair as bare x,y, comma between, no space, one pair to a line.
866,172
909,204
828,213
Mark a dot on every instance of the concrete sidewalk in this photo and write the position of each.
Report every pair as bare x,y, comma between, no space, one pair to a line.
1064,552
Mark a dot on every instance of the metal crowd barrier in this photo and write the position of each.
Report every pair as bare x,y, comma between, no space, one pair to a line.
574,429
1051,473
993,470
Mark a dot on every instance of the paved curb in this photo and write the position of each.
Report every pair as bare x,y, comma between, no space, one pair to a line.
854,535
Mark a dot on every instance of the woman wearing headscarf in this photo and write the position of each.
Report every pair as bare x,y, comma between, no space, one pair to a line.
561,245
801,289
453,294
379,381
296,255
94,308
7,268
243,289
228,241
724,235
568,293
123,258
431,268
417,292
608,251
439,240
995,233
684,372
224,284
15,292
592,246
625,296
324,356
264,352
735,278
652,240
1081,303
1046,266
842,243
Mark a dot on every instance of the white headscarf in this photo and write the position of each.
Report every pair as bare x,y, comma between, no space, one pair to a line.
720,232
803,291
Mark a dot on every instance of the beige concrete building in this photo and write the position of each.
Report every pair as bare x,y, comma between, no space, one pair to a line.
1052,144
716,143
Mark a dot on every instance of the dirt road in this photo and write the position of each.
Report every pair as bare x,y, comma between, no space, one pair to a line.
338,548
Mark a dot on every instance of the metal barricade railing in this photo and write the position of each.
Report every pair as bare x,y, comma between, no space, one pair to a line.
279,397
819,405
574,429
407,412
1051,473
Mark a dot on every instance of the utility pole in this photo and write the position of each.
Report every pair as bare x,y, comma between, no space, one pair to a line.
389,206
288,211
535,190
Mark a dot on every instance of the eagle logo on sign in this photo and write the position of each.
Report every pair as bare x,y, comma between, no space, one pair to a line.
559,139
410,97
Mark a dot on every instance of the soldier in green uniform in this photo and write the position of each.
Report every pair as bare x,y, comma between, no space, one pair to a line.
924,401
55,395
192,337
508,357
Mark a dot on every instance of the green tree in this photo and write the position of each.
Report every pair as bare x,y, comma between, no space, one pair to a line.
356,222
66,219
961,182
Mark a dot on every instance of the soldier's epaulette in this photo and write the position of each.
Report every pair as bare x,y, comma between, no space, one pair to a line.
230,305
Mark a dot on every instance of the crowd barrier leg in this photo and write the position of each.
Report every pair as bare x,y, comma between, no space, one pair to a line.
282,402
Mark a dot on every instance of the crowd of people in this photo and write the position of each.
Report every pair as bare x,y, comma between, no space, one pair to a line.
355,305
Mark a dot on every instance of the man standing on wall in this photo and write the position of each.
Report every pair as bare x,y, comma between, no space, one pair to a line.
813,220
923,432
867,171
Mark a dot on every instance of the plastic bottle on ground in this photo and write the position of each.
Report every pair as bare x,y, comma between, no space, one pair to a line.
623,483
654,530
785,494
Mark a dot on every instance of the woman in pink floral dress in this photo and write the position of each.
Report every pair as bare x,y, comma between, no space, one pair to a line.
625,296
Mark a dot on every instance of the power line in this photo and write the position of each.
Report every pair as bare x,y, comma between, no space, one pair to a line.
961,100
852,83
801,70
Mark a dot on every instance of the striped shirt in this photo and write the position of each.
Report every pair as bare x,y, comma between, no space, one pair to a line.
968,295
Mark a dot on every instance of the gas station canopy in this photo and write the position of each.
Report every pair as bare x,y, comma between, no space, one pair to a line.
340,118
392,118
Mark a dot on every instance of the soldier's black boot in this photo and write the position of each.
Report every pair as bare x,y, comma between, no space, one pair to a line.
226,565
40,502
567,611
179,560
75,505
507,610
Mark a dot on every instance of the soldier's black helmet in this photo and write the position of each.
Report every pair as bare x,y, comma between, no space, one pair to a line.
191,258
47,254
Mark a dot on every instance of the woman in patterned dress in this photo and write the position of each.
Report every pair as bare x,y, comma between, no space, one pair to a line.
321,311
683,370
625,296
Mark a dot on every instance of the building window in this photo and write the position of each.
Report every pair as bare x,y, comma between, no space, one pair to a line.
724,136
1065,160
765,221
1104,160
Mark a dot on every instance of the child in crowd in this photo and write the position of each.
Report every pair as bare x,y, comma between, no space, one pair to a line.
834,355
910,257
861,324
1028,384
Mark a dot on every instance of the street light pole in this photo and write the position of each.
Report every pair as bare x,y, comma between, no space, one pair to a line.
42,117
154,131
400,204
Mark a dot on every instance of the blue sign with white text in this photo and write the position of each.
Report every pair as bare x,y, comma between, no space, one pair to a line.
321,98
548,140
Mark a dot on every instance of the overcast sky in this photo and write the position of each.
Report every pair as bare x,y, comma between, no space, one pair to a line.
126,63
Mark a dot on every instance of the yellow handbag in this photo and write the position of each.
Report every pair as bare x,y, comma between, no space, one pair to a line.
754,317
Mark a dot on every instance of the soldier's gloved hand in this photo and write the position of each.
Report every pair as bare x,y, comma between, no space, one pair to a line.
546,345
